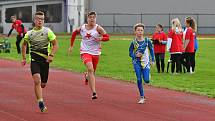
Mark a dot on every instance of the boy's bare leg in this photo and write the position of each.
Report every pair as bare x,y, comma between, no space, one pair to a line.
91,75
38,92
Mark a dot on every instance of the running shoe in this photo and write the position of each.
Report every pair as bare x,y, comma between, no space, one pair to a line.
94,96
141,101
42,106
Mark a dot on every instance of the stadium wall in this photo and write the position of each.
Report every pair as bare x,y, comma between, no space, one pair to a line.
119,16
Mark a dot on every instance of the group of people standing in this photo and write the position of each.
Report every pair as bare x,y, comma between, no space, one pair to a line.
181,44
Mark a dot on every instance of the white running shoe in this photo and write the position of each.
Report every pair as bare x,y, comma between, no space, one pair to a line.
141,101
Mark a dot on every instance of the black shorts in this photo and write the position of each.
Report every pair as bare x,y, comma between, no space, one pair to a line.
41,68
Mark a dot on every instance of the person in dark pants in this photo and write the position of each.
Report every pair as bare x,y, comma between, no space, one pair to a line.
188,43
175,36
159,40
21,30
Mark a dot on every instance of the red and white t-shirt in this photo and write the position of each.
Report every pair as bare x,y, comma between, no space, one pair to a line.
89,44
17,26
177,44
159,48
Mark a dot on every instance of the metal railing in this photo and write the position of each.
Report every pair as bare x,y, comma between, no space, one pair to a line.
124,22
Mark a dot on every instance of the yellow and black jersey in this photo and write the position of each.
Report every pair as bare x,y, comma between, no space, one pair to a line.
39,41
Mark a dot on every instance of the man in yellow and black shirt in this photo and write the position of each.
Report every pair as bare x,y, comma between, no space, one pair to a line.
43,45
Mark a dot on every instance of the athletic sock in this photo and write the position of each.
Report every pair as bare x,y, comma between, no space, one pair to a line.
40,100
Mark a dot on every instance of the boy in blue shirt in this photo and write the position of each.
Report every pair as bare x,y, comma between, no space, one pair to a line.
140,50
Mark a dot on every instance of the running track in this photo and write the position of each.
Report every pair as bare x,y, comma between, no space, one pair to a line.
68,99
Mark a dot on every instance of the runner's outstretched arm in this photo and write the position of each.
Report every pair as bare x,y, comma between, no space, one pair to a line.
72,40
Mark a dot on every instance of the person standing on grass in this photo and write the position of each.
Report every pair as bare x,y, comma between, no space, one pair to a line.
92,35
21,30
196,46
189,43
159,40
175,36
40,39
140,50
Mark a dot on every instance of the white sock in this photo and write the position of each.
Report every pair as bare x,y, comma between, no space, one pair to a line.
40,100
191,70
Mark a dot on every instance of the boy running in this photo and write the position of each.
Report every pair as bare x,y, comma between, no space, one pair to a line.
92,35
40,38
139,51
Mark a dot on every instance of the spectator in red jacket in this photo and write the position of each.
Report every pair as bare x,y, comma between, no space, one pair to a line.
21,30
175,36
188,44
159,39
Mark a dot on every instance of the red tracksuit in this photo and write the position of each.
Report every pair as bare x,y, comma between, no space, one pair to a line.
189,36
189,49
176,50
159,47
17,26
177,44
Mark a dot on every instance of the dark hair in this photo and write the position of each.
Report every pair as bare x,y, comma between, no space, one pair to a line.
159,25
91,13
139,25
39,13
190,20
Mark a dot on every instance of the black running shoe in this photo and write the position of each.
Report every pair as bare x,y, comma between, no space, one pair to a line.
94,96
42,106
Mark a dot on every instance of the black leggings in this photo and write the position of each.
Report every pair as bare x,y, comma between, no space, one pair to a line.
18,41
183,62
194,62
176,60
190,61
160,61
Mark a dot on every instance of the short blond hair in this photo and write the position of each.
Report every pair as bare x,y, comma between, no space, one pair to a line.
139,25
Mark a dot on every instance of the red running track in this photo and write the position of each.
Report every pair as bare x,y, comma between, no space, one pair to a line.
68,99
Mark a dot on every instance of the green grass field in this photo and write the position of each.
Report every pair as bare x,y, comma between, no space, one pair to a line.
115,63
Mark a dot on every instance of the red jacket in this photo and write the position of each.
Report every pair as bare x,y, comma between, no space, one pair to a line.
159,47
177,44
17,26
189,36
